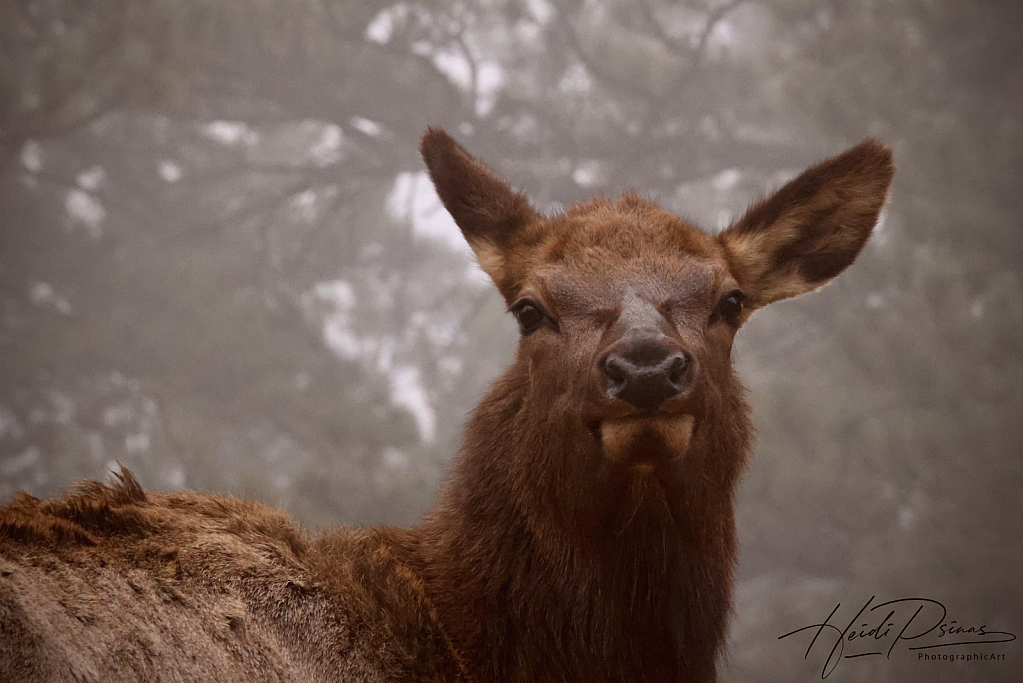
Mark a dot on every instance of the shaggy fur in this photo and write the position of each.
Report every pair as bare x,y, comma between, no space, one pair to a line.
576,539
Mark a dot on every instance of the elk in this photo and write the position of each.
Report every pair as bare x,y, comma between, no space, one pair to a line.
586,532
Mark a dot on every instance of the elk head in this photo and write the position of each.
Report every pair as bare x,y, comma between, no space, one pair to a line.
628,312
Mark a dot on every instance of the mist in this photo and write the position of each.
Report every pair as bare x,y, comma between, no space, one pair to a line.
222,265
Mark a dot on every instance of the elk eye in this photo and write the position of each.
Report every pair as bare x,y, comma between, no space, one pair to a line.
530,316
730,307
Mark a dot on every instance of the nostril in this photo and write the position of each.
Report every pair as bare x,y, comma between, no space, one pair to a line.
678,365
615,369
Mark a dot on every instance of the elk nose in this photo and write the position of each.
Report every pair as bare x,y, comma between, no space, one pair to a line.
645,374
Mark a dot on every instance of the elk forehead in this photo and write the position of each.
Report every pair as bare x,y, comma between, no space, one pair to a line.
599,286
631,227
600,253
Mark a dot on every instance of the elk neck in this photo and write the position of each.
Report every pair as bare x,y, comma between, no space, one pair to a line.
541,550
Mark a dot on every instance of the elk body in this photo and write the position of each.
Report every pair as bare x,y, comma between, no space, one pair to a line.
586,532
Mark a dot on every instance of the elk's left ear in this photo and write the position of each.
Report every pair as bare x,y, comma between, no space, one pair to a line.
811,229
486,209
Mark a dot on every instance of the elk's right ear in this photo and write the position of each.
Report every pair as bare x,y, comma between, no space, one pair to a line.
486,209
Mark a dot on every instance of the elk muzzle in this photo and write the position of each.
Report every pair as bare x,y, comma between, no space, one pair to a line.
645,372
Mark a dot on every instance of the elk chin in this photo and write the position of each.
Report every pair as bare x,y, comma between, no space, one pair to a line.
643,441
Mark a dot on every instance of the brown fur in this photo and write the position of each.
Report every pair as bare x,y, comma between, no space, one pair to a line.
575,540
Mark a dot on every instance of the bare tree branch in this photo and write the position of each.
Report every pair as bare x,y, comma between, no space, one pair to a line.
675,46
713,20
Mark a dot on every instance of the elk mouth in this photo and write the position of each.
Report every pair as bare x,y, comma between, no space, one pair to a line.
643,439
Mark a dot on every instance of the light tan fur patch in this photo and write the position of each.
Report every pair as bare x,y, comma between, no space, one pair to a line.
621,436
490,258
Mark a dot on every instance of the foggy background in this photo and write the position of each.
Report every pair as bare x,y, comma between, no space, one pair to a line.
221,263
